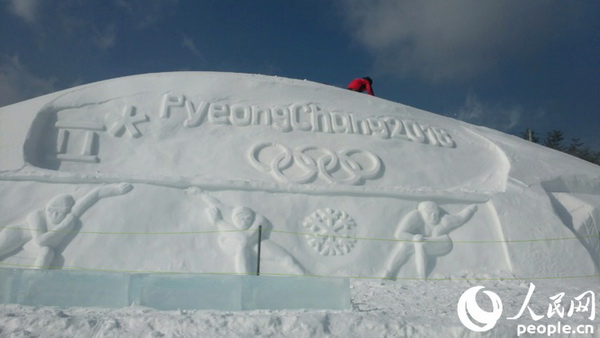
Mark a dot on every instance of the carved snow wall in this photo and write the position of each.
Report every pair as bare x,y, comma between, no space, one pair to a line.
150,174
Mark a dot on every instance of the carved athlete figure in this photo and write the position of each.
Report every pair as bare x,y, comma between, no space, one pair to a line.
49,228
239,237
424,233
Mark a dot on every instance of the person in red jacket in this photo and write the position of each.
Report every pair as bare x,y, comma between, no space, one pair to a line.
362,84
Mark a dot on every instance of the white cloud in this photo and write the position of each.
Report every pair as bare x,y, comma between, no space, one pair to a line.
98,22
17,83
188,43
454,40
496,116
106,38
145,13
25,9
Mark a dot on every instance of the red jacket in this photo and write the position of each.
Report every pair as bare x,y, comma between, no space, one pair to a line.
360,85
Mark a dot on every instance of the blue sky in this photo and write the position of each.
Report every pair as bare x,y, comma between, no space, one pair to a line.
508,65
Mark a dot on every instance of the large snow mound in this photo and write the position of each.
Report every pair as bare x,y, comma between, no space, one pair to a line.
175,172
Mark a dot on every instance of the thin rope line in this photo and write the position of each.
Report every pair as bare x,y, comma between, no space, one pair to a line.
304,234
130,232
439,241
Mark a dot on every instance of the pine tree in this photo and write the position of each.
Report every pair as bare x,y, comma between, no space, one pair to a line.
577,148
554,140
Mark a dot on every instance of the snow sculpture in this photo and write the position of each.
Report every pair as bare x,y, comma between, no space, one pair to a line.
581,214
126,121
333,232
239,237
49,228
86,152
424,233
290,150
305,164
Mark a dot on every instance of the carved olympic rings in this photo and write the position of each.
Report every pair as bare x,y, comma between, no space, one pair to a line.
306,163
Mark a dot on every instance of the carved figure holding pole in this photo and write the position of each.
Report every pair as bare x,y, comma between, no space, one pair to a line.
239,237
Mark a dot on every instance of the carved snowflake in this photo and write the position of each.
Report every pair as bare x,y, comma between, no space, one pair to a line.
333,232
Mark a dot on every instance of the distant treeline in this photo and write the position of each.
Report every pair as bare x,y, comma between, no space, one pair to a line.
555,139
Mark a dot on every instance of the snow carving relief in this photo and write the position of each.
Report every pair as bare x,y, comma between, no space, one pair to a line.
238,237
126,121
424,235
307,163
49,229
86,153
333,232
71,135
78,140
303,117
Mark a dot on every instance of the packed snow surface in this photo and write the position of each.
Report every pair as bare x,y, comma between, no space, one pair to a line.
380,309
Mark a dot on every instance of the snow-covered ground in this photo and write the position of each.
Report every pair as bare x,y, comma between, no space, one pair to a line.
380,309
175,172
